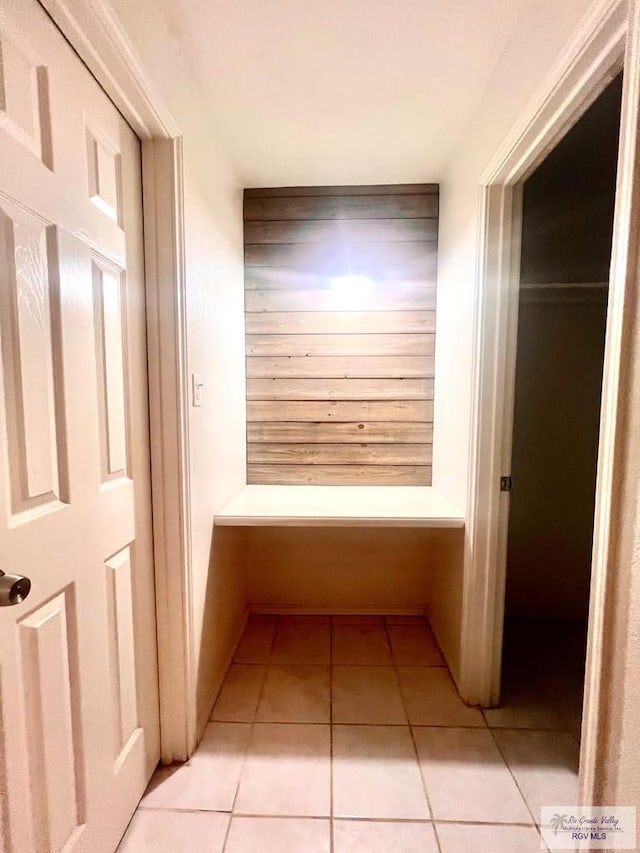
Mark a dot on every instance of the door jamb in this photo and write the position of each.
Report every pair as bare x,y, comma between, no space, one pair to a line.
593,57
96,34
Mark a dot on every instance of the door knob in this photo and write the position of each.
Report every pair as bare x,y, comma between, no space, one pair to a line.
13,589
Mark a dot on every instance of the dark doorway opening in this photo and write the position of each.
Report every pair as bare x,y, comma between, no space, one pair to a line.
567,226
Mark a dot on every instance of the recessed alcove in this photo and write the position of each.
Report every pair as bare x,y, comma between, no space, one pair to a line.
394,550
338,514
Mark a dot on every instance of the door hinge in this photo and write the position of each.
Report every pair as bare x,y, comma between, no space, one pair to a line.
505,484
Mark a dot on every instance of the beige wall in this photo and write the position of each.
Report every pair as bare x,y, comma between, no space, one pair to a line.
216,352
537,41
444,595
214,274
338,569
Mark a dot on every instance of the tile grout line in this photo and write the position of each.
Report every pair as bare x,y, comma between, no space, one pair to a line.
358,819
374,725
251,734
485,727
131,819
332,817
331,809
437,644
394,664
512,774
411,735
267,666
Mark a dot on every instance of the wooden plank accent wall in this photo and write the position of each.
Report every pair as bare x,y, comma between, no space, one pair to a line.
340,388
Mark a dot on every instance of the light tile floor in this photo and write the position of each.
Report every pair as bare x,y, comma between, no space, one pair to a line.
347,735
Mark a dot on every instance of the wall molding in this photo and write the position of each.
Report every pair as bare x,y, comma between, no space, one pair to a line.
96,34
168,401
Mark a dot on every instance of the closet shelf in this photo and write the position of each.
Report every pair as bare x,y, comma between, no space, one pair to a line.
340,506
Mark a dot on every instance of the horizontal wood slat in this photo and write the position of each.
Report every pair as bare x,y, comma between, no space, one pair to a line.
365,258
340,322
395,206
378,299
340,384
339,475
341,231
340,367
322,192
340,411
340,344
339,454
340,389
290,278
349,433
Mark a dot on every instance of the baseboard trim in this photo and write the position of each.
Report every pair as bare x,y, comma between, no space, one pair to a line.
314,610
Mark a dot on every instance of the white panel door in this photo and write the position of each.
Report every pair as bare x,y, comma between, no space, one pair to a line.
79,724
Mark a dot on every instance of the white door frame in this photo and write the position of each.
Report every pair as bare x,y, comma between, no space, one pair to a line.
98,37
606,41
